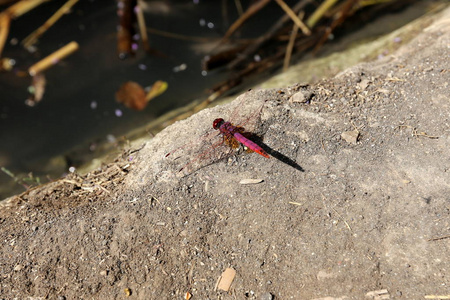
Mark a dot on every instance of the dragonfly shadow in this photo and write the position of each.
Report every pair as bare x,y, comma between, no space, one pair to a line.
275,154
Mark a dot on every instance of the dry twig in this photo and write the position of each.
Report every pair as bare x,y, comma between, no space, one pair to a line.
53,58
290,46
5,21
248,13
417,134
34,36
294,17
439,238
142,27
319,12
22,7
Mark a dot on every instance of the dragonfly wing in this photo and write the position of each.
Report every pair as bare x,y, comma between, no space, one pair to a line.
211,153
247,115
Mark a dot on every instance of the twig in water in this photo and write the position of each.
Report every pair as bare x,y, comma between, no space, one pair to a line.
142,27
319,12
5,21
248,13
34,36
290,46
294,17
22,7
53,58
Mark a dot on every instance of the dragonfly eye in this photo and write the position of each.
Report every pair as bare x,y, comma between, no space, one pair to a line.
217,123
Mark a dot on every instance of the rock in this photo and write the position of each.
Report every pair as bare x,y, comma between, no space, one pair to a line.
266,296
18,268
350,137
298,97
301,97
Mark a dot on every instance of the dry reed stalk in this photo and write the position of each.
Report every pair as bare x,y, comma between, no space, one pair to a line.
319,12
294,17
142,27
5,21
34,36
53,58
291,43
22,7
248,13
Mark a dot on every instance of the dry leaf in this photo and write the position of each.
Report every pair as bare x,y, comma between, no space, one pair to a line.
132,95
157,89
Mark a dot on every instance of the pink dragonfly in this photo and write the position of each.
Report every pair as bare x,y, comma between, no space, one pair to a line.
229,131
233,136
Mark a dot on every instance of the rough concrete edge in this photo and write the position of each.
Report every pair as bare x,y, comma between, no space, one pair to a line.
359,54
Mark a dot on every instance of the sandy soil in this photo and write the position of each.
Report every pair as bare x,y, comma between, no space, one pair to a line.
354,202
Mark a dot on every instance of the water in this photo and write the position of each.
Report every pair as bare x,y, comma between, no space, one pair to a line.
79,107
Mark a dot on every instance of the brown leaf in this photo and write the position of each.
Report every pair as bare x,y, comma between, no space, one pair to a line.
132,95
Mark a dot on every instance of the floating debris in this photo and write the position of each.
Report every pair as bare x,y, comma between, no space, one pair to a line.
34,36
126,29
36,89
157,89
53,58
118,113
133,95
180,68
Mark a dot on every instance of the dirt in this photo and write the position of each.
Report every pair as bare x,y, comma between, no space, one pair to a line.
354,202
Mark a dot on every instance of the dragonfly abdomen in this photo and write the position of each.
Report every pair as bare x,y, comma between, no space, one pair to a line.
250,144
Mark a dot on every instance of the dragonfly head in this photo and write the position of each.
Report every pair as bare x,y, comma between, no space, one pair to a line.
217,123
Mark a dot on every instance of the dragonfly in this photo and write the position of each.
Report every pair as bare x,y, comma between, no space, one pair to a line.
233,136
229,131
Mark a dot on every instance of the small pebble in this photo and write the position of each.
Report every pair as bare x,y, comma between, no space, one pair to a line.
266,296
298,98
350,137
18,268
